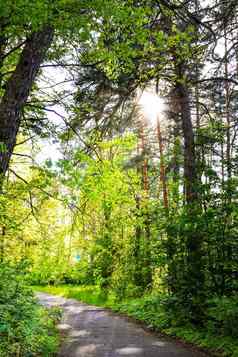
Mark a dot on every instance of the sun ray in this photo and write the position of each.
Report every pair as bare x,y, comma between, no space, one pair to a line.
151,106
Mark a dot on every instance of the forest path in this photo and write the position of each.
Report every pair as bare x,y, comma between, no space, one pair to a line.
92,331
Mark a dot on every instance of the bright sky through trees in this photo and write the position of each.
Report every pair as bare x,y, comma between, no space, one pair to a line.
152,106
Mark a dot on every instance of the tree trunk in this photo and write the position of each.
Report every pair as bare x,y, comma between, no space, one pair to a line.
227,114
190,176
2,248
147,275
17,91
162,167
3,43
193,273
145,178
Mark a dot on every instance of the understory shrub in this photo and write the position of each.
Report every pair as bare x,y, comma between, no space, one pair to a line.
26,329
222,316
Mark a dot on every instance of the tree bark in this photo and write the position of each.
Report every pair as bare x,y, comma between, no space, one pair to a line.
17,92
227,112
3,43
190,175
145,178
162,167
194,272
2,247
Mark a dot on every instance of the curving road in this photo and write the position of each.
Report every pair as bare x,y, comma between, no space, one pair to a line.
95,332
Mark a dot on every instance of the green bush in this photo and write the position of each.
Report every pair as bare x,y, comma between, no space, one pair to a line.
78,273
223,316
26,329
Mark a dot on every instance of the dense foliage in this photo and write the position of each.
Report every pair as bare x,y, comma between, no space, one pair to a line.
25,328
133,198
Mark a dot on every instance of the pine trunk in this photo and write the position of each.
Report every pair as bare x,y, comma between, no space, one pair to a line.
17,92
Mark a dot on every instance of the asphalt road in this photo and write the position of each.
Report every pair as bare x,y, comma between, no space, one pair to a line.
91,331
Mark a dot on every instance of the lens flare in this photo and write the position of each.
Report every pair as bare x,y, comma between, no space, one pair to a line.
152,106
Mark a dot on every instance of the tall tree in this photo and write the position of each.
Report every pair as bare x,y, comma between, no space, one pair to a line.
17,91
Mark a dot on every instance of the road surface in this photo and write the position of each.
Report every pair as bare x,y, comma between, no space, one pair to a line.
91,331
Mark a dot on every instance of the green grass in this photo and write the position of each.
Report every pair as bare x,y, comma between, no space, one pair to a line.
148,309
90,294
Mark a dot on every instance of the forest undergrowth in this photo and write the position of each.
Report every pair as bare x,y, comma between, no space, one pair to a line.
26,328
